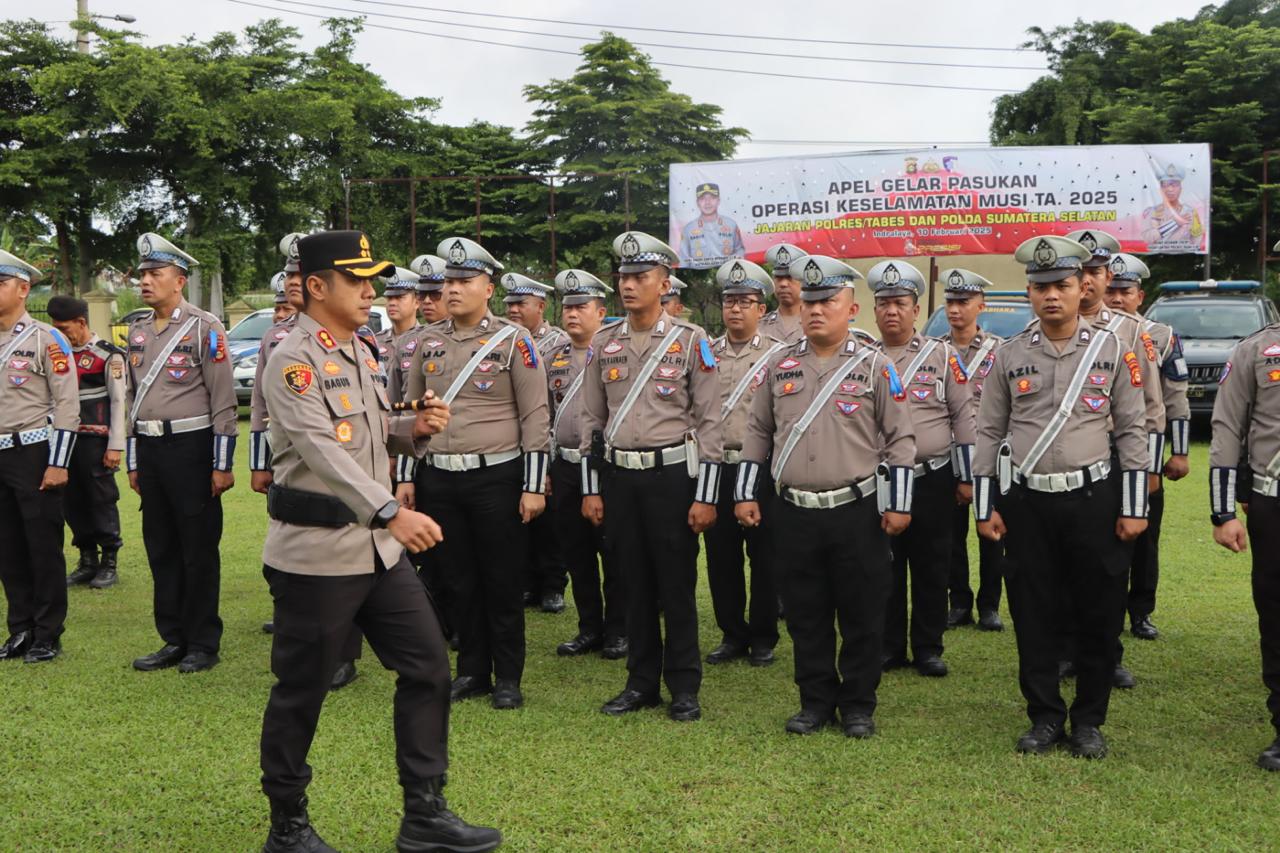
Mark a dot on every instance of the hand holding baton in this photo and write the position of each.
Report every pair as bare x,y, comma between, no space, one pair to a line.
432,414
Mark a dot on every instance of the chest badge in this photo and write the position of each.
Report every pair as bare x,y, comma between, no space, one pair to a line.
847,407
343,431
666,390
331,368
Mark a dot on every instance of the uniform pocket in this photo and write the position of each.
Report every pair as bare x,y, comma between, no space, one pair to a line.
345,402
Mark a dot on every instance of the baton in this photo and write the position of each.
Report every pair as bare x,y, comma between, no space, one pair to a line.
413,405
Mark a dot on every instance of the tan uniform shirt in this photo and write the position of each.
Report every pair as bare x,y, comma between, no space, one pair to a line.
1173,375
977,369
1247,407
258,417
400,360
39,383
564,365
862,425
1027,384
549,338
330,433
683,393
196,378
781,327
939,397
114,388
503,403
735,363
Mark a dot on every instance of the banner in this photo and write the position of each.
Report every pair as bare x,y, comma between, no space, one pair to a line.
933,201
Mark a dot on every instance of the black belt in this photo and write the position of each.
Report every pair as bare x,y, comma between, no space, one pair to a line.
308,509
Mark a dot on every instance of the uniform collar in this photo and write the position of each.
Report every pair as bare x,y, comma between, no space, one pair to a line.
851,346
1083,335
659,328
322,335
485,324
722,343
23,321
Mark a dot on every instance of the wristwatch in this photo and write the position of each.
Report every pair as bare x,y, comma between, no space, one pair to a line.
383,516
1221,518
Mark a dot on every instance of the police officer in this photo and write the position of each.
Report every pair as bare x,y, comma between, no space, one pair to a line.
783,324
601,622
742,353
430,270
38,422
401,339
182,434
288,284
546,577
940,403
1246,413
1124,293
1057,394
651,429
711,238
486,474
976,347
334,555
1128,328
830,425
673,299
282,310
91,494
1171,223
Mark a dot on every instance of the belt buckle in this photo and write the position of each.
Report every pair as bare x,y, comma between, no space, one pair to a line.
151,429
1058,482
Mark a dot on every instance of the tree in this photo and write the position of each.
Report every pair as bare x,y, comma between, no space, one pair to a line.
1211,78
618,113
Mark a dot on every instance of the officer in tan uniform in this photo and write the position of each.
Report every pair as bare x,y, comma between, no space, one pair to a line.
742,354
335,555
38,422
1246,414
651,432
976,347
486,476
546,575
282,310
259,443
1044,476
784,323
673,299
402,338
1128,327
430,270
182,435
91,496
940,402
830,423
602,622
1125,294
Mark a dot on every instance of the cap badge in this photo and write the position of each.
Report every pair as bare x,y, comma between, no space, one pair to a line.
145,246
955,279
457,254
1118,266
364,247
737,275
1045,255
891,276
812,274
783,256
630,246
293,249
571,281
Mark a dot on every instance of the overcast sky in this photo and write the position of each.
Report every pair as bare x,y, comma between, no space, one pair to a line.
478,81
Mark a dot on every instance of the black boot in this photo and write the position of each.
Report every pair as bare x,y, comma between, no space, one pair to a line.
429,825
291,830
87,570
106,570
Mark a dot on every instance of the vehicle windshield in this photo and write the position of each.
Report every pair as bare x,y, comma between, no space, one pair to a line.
1213,319
1002,319
251,328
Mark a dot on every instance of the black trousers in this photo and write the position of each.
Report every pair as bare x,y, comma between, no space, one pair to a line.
587,554
482,559
314,617
646,517
990,571
925,547
545,570
92,496
1144,573
837,573
182,530
1063,548
32,567
1264,529
725,568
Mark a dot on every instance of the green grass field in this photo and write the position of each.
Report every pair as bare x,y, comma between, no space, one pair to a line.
99,757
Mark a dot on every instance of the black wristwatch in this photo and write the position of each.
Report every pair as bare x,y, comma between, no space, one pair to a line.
383,516
1221,518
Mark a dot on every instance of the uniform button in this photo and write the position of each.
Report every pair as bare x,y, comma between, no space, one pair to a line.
813,458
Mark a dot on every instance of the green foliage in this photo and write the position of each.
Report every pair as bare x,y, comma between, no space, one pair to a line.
1212,78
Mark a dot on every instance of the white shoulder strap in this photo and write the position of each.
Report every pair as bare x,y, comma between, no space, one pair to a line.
741,388
470,367
1059,419
633,393
820,400
161,359
13,344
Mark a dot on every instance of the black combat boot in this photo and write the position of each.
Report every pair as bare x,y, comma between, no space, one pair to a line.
429,825
87,569
106,576
291,830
